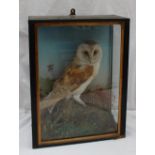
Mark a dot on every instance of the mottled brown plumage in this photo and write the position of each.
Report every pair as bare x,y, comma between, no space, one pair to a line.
74,76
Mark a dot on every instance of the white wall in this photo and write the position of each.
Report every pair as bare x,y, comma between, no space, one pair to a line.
124,8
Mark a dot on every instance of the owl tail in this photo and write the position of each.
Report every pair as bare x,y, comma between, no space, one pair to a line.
48,103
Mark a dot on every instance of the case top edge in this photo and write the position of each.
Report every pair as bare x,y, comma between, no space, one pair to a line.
74,17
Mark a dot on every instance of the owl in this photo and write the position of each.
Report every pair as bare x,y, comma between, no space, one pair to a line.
77,76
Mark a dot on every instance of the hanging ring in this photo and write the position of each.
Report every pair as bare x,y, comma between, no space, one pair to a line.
72,12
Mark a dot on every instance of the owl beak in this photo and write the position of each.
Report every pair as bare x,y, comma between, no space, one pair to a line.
91,61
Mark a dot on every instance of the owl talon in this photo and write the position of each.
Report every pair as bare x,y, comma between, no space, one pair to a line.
50,110
78,99
83,104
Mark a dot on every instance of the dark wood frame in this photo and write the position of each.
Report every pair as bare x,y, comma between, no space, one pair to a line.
34,22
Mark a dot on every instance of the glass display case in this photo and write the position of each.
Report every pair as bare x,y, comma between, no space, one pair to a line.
78,74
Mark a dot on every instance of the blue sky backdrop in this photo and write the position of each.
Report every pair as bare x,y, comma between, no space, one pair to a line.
57,45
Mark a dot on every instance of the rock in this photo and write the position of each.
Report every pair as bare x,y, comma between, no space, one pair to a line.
100,98
70,119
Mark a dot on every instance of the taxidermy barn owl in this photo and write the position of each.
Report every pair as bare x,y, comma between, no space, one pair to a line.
77,76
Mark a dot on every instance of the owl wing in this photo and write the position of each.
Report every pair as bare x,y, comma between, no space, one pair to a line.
73,77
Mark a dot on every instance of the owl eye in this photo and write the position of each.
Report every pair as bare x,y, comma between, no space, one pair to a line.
95,52
85,53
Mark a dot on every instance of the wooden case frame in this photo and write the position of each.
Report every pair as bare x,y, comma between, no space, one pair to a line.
34,23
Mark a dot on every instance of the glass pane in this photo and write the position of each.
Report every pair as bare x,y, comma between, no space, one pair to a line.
116,69
79,69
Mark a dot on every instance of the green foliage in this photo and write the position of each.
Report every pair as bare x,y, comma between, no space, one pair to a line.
45,86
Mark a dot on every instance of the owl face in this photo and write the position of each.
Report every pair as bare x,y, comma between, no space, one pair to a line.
89,52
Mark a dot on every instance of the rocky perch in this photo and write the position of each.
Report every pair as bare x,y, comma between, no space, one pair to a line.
70,119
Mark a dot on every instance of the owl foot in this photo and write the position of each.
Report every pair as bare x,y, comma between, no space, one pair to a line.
50,110
78,99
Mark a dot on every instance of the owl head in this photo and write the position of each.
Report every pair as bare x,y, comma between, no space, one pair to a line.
89,52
